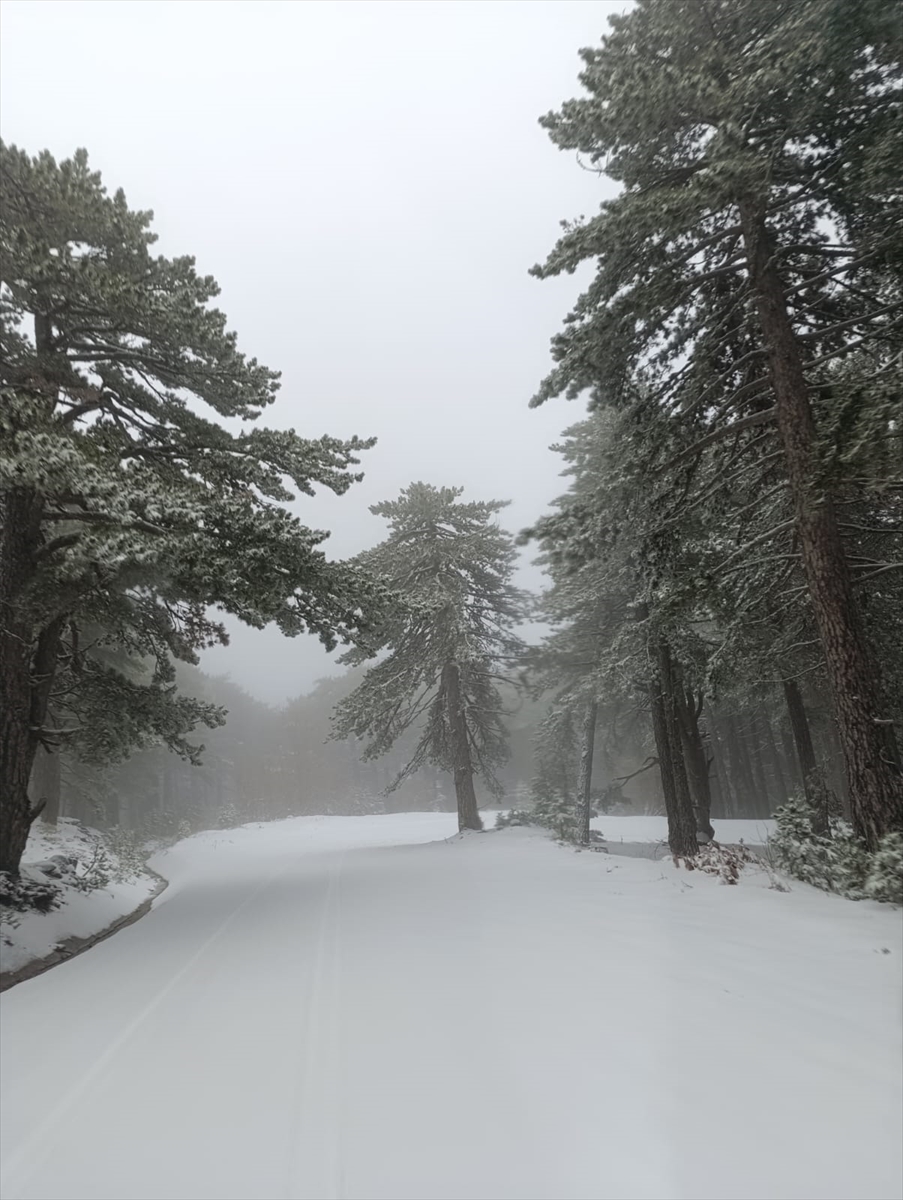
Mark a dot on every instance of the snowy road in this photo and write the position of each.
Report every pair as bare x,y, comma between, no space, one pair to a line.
323,1008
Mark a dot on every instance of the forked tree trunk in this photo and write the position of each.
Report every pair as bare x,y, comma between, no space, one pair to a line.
468,813
585,782
875,782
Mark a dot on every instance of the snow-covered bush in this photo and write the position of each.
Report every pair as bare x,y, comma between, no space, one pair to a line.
128,851
724,861
30,890
514,816
228,817
556,811
161,826
94,871
837,861
885,877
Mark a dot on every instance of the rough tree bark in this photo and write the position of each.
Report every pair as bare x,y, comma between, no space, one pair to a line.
875,782
681,818
688,712
468,813
585,782
27,664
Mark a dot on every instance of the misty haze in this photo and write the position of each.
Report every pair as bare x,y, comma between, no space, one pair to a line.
451,531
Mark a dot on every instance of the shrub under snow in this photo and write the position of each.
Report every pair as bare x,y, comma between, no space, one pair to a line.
837,861
885,878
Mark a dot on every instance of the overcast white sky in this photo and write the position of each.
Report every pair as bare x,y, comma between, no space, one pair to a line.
369,185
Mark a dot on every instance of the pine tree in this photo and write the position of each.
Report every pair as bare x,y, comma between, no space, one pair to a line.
449,640
556,779
754,144
618,602
122,504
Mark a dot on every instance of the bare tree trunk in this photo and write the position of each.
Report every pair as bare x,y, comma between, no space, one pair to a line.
585,782
468,813
875,782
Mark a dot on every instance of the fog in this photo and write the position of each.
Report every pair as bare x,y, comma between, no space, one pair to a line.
370,186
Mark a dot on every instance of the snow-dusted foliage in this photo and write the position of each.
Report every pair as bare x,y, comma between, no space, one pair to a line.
449,639
744,316
885,875
513,817
556,753
74,860
26,892
836,861
724,861
128,512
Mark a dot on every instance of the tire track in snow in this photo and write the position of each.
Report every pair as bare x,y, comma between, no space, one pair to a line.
16,1171
315,1167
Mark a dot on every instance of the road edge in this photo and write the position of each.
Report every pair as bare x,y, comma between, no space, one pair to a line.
73,946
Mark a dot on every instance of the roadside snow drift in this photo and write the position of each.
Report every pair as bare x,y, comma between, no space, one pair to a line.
324,1008
29,936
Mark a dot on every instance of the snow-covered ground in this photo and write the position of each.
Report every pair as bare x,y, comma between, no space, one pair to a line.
82,914
324,1007
655,829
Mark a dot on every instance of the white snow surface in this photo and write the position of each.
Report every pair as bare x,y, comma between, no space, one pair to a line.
348,1007
82,914
655,829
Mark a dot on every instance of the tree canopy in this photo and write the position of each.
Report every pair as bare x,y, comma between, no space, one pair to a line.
127,502
448,641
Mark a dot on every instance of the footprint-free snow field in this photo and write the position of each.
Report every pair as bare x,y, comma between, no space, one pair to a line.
355,1007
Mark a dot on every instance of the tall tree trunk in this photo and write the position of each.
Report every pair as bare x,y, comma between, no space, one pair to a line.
681,818
688,711
585,781
814,787
875,782
468,813
26,670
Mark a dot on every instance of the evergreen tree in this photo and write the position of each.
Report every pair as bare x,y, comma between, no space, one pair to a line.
122,504
554,787
449,640
760,210
615,601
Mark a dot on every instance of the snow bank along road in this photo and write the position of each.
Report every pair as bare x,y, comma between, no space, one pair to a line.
323,1008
